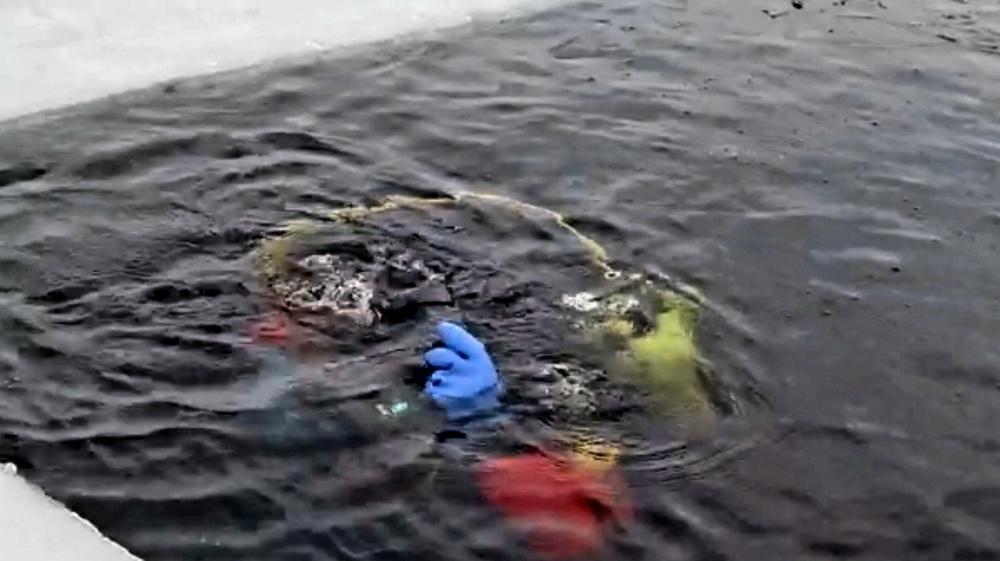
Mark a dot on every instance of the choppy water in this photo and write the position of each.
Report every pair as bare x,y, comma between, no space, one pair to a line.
827,177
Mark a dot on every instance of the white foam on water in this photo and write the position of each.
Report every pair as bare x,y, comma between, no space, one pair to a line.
55,53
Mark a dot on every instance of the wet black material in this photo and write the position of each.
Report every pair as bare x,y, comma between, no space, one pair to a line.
827,177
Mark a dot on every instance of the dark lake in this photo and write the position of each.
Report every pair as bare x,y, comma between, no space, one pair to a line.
827,177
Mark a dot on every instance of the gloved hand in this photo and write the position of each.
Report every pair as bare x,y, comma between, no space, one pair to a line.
465,382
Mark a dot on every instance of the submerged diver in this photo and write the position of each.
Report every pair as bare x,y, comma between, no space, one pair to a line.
339,295
564,495
577,361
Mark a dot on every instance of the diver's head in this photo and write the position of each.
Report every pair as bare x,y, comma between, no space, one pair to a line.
340,289
327,291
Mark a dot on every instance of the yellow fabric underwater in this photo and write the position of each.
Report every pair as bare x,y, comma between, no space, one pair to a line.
665,363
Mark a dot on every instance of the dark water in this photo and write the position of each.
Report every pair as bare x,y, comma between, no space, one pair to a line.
827,177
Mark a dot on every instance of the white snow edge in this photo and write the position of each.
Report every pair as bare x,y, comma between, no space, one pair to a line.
63,52
35,527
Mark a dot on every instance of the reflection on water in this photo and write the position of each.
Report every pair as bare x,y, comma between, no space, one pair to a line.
824,177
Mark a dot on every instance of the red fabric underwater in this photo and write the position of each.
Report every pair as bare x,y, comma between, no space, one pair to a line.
270,331
562,506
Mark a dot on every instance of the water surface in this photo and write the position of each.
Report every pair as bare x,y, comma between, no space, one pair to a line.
826,176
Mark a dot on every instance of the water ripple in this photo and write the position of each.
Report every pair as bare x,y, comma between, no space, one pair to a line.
826,177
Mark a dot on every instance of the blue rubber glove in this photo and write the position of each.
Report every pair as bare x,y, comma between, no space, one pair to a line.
465,382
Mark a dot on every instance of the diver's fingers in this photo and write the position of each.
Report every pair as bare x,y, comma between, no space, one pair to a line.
441,357
438,384
437,379
429,387
459,340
